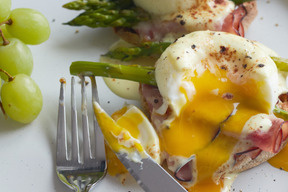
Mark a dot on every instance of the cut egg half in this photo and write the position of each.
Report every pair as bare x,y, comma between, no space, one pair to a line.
130,132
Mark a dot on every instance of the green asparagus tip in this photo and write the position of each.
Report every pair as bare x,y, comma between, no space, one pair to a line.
138,73
280,113
281,63
146,49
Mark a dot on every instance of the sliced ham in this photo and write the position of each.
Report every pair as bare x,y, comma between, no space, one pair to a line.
233,22
152,101
184,173
272,139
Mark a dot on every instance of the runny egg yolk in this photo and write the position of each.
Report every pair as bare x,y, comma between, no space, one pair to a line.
280,160
210,124
114,165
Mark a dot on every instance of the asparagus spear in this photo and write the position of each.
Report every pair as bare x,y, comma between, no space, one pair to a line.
142,74
157,48
138,73
146,49
280,113
106,13
281,63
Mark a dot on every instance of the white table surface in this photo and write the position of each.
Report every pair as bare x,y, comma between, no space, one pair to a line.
27,152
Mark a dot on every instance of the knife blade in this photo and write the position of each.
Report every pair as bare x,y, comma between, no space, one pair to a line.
150,175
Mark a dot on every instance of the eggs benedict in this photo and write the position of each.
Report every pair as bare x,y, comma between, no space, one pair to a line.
212,108
170,20
137,21
214,99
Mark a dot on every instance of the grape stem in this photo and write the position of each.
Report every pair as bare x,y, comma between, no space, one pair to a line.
10,78
5,41
2,109
8,22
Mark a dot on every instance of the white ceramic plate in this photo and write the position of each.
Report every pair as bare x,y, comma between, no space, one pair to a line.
27,153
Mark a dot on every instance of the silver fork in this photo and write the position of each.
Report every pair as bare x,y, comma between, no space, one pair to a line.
79,167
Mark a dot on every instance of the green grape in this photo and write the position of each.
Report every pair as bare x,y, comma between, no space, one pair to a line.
5,9
21,98
15,58
29,25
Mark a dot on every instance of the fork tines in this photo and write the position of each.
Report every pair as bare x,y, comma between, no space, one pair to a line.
76,152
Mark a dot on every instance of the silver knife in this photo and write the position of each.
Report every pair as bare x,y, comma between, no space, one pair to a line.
150,175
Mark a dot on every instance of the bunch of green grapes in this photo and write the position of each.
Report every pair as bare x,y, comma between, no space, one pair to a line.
21,98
